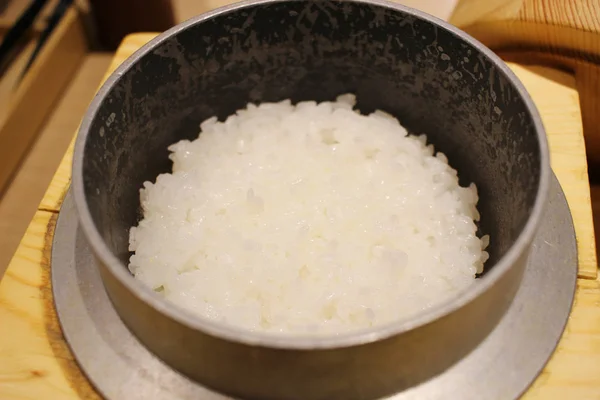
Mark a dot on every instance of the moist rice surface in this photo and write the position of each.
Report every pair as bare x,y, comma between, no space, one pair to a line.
307,219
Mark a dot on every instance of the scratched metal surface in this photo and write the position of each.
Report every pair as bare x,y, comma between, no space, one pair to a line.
434,82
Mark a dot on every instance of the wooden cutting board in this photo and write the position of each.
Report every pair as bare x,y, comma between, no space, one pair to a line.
36,363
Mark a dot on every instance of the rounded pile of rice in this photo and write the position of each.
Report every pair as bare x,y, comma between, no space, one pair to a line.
307,218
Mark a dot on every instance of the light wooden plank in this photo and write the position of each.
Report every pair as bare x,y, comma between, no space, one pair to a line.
556,25
186,9
36,362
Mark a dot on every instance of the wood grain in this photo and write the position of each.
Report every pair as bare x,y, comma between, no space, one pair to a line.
35,362
559,26
186,9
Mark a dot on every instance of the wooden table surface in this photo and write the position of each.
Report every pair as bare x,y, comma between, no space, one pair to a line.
36,363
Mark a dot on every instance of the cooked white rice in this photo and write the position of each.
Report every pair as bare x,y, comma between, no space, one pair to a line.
307,218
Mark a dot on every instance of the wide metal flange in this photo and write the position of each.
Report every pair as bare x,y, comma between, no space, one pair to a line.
501,367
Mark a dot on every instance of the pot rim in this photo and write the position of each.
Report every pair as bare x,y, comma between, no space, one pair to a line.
303,341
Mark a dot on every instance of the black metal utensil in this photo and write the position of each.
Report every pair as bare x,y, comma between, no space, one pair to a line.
57,14
18,32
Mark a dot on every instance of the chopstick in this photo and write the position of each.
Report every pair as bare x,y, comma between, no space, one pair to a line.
17,32
53,21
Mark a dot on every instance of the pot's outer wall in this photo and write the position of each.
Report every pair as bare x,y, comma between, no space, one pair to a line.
368,371
428,77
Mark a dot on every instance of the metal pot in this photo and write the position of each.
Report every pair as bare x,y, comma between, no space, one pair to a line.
435,78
